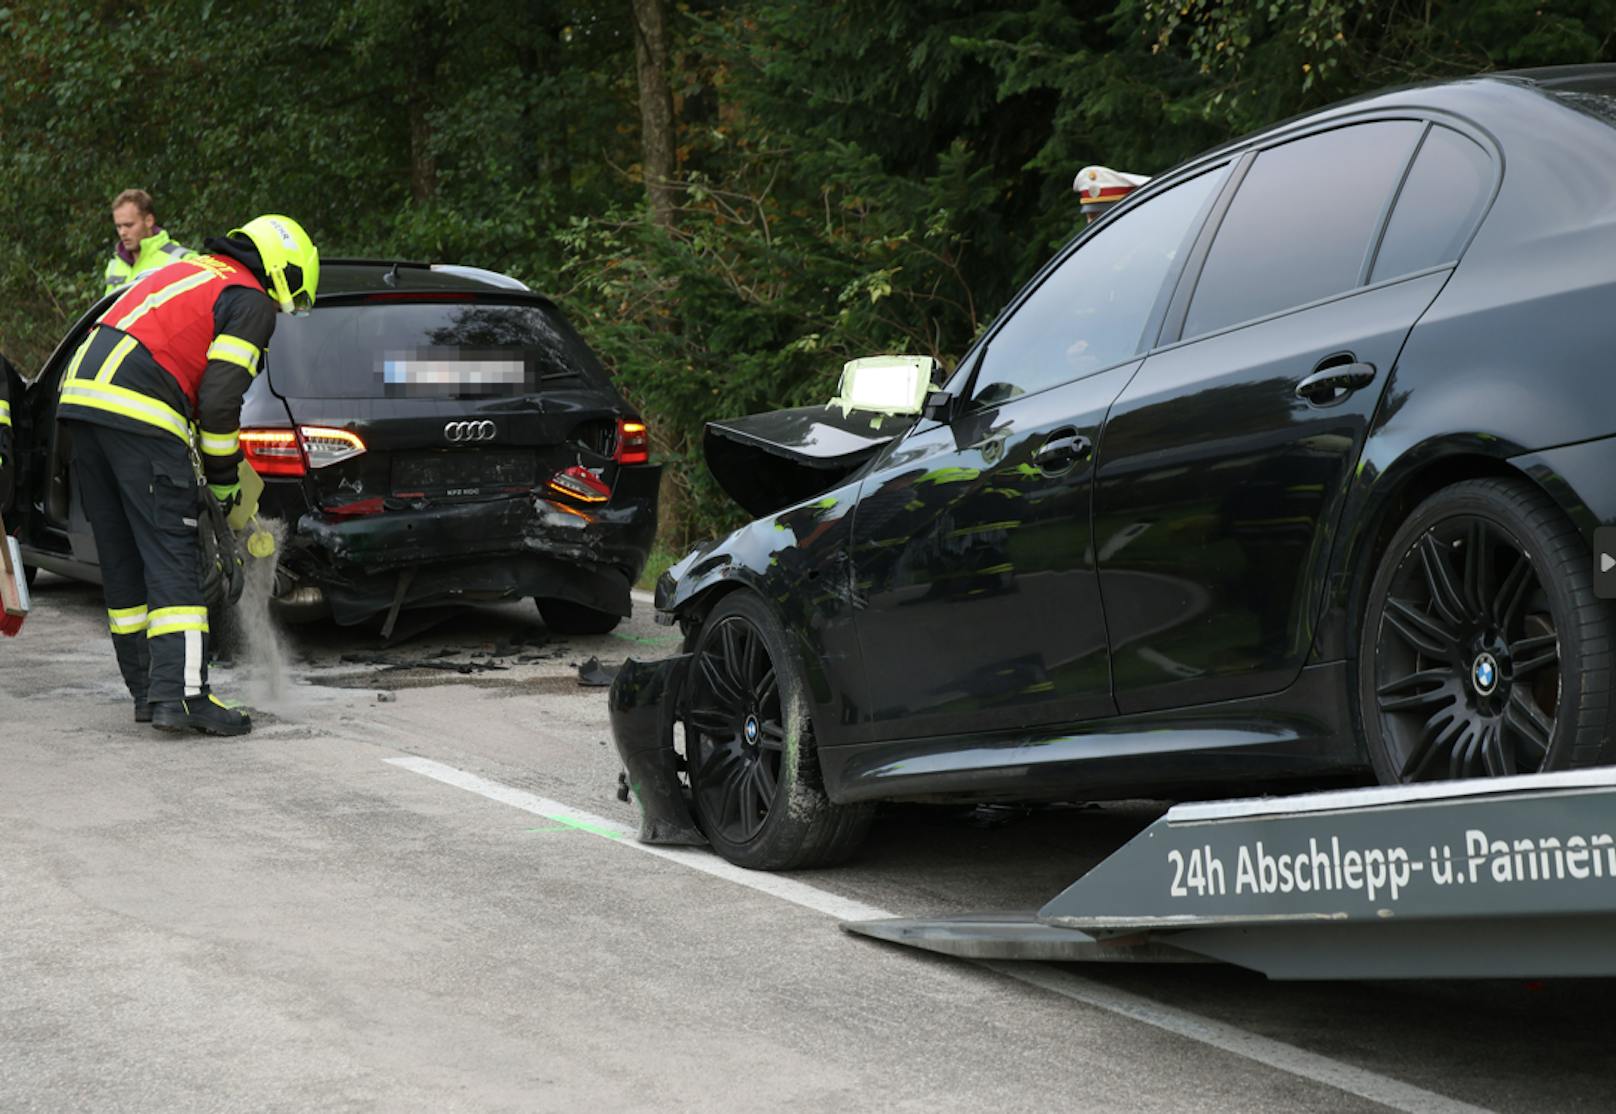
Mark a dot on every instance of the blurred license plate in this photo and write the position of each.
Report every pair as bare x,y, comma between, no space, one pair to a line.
477,472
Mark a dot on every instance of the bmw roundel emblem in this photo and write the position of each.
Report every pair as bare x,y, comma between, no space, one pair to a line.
1484,674
751,729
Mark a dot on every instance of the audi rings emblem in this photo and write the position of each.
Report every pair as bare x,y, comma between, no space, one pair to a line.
463,432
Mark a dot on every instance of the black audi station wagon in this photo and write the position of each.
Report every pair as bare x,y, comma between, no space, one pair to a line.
427,435
1286,471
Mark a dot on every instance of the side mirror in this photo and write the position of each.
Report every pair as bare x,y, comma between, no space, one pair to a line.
939,407
886,384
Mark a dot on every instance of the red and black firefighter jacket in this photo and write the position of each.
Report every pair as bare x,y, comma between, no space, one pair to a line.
191,339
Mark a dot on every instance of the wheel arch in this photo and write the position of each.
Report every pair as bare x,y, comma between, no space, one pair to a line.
1393,497
693,611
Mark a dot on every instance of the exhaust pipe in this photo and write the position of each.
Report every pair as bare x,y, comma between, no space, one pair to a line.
297,603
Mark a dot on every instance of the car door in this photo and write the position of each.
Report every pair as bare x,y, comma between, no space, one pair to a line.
1227,458
976,602
57,533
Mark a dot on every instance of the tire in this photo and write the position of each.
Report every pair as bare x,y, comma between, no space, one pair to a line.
566,617
1483,650
755,783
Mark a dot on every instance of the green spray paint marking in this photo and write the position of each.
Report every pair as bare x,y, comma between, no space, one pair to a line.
563,825
951,475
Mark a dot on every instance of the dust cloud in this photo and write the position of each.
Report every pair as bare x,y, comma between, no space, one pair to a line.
260,654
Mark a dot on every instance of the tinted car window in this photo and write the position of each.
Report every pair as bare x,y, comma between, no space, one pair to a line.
1090,313
1301,225
429,350
1440,202
1601,106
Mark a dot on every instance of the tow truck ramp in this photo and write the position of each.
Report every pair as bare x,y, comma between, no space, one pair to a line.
1491,878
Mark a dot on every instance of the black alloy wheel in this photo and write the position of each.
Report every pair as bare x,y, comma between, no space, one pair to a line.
739,728
755,784
1484,652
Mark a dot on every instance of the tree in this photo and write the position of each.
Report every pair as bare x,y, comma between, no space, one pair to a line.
656,109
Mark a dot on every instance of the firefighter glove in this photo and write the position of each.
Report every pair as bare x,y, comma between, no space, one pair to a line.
228,495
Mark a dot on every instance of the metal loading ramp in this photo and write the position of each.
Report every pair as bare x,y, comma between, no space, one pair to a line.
1497,878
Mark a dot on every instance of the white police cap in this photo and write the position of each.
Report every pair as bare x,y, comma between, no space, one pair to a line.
1100,186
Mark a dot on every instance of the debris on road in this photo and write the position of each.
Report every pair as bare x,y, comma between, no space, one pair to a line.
390,664
596,675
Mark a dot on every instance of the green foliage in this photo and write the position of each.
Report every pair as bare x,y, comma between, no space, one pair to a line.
226,108
860,177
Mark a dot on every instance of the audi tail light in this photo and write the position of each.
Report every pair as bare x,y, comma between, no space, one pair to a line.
581,484
330,446
287,452
273,452
633,442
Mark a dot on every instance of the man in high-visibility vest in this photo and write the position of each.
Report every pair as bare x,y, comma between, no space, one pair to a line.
175,353
142,246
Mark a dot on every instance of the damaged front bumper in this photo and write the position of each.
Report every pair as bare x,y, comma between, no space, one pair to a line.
644,702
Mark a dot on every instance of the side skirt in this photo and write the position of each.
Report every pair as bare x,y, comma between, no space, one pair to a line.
1301,733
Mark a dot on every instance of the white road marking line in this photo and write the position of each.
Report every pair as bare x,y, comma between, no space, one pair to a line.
787,889
1229,1038
1264,1050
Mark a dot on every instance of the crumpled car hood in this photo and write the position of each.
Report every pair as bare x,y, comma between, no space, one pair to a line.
769,461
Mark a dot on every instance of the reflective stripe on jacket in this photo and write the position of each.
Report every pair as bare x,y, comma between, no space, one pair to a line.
114,381
171,314
141,366
156,251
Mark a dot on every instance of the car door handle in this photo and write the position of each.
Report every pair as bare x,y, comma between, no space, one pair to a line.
1328,384
1061,450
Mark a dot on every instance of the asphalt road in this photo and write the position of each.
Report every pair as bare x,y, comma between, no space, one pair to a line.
408,889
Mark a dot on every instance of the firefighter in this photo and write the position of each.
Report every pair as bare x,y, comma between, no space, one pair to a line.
1101,187
171,358
142,247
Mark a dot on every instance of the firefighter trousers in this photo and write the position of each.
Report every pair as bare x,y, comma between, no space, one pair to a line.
142,498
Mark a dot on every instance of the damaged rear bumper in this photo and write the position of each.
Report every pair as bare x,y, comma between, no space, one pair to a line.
643,701
514,547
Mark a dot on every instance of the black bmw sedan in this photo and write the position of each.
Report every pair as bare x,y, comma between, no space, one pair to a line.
1285,471
427,435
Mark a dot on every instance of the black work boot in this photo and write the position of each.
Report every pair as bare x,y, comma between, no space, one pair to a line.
199,713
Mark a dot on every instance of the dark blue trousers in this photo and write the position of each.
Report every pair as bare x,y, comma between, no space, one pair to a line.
142,497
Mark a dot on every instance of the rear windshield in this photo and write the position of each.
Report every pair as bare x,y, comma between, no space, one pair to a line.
1601,106
430,350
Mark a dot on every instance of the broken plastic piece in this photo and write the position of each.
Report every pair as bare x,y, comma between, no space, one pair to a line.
596,675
